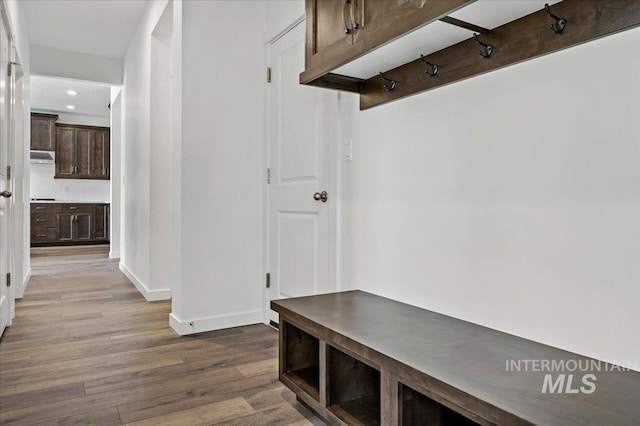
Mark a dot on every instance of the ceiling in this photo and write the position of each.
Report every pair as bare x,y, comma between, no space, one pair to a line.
97,27
49,94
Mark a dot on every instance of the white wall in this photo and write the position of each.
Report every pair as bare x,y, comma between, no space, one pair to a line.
80,66
44,185
135,244
116,175
222,165
161,168
281,14
212,184
511,200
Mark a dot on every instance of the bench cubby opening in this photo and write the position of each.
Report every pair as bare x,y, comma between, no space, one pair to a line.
302,359
414,408
354,389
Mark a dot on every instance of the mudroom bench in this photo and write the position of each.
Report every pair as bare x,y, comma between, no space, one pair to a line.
357,358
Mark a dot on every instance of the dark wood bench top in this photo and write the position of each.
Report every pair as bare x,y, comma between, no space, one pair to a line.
473,359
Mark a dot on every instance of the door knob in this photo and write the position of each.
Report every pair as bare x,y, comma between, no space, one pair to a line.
6,194
320,196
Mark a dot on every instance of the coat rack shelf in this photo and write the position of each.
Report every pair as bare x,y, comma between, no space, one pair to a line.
548,30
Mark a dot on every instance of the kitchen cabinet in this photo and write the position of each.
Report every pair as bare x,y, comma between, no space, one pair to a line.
69,223
43,132
43,223
101,222
82,152
74,222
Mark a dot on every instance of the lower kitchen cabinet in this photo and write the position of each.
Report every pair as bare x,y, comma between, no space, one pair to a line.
69,223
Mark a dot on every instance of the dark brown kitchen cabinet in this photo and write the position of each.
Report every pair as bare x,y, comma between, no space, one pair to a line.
74,227
69,223
43,132
43,223
101,222
82,152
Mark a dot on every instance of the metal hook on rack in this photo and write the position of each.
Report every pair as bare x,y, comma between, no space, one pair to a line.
434,67
488,49
392,83
560,23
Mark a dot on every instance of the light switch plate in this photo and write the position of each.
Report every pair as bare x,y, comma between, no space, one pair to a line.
347,150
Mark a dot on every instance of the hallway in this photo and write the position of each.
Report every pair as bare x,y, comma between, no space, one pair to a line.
86,348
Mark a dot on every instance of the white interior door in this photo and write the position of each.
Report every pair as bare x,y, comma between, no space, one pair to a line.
300,133
5,183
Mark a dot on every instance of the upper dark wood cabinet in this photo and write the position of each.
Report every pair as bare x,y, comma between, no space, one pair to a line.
65,147
43,132
329,35
100,155
339,31
82,152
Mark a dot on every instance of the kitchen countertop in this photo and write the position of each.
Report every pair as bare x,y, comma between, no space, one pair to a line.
69,201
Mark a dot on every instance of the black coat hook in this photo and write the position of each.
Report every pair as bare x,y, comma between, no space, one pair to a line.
434,67
560,23
488,49
392,83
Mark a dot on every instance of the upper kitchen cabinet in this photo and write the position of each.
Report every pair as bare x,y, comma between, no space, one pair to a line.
82,152
43,132
339,31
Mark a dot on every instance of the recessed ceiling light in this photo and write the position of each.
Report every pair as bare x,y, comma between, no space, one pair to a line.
72,92
70,107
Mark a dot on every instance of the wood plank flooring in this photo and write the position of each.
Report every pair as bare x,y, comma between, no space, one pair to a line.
86,348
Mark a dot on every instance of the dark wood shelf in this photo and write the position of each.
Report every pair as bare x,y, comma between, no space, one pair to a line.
354,389
359,411
418,409
307,379
302,360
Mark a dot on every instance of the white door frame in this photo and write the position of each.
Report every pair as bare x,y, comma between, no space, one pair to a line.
334,157
8,130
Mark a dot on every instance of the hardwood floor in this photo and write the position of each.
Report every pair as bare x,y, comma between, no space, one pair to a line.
86,348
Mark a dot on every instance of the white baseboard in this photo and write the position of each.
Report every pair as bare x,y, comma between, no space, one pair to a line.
150,295
200,325
21,289
114,255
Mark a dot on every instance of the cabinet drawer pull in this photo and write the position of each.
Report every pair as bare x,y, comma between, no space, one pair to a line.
354,24
39,220
40,208
344,16
73,208
41,235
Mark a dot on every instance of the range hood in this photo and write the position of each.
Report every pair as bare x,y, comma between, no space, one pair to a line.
41,157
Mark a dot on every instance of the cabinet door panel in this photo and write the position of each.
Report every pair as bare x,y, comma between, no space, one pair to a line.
326,30
64,151
83,226
101,222
83,153
100,154
65,226
43,133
